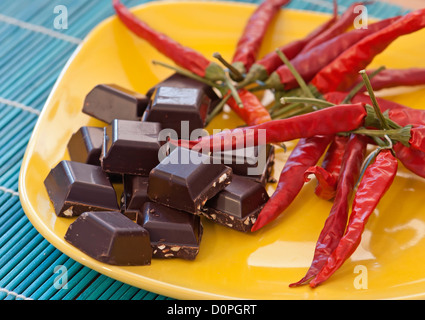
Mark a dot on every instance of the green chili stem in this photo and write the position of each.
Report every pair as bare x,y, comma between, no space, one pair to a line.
234,92
188,74
237,75
285,109
375,105
310,101
402,135
295,73
360,85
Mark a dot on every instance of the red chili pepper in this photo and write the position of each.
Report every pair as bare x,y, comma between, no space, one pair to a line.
328,121
262,68
399,113
328,173
390,78
375,182
185,57
253,111
413,160
343,23
335,224
309,63
305,154
341,73
250,41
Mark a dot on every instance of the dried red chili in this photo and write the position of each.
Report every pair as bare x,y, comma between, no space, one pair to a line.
341,73
263,67
185,57
328,173
309,63
250,41
340,26
399,113
390,78
253,111
335,224
375,182
328,121
305,154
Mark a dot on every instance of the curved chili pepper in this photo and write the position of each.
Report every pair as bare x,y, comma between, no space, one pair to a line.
328,121
309,63
328,173
335,224
342,72
343,23
390,78
401,114
253,111
375,182
263,67
305,154
250,41
413,160
185,57
417,138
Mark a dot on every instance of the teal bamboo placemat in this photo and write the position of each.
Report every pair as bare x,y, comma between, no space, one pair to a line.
32,54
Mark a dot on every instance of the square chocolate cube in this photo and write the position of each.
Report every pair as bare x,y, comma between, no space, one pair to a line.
176,108
186,179
75,187
238,205
131,147
107,102
173,233
110,237
85,145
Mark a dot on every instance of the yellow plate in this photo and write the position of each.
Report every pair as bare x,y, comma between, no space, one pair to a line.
390,260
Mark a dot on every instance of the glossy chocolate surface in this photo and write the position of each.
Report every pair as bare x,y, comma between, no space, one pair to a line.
252,162
131,147
134,196
171,106
85,145
75,187
107,102
173,233
110,237
238,205
185,180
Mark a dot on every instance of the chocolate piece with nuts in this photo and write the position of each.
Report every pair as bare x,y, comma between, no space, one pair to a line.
173,233
238,205
75,187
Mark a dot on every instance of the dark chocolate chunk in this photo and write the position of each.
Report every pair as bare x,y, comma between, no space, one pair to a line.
85,145
186,179
177,80
254,162
75,187
173,233
180,109
110,237
107,102
238,205
131,147
134,196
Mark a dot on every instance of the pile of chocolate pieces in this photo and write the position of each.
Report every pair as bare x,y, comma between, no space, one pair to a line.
157,211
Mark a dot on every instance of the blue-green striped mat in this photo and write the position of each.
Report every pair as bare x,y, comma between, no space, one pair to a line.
32,54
